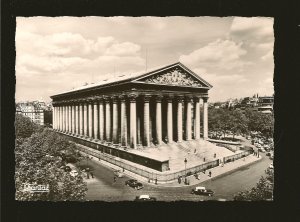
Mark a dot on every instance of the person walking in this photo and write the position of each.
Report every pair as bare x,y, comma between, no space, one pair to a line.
115,179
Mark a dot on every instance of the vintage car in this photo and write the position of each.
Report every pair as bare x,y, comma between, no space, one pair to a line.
202,191
144,198
134,184
118,173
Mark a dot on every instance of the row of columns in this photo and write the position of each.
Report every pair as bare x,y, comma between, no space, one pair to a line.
92,119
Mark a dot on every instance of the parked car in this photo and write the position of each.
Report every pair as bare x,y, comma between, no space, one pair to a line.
271,166
118,173
268,154
142,198
66,168
271,157
134,184
261,150
74,173
202,191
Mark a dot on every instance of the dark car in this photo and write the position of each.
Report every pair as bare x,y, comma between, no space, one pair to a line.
202,191
143,198
134,184
268,154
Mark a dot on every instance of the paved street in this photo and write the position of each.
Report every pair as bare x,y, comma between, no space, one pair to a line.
103,188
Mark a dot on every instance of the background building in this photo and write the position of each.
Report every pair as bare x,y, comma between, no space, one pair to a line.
38,111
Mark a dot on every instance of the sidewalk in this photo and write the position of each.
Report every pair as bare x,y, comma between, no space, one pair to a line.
216,172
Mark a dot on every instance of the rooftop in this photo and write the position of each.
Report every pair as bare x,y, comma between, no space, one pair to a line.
131,76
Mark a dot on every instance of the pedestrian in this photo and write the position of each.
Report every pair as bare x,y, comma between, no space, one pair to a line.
123,169
204,159
92,175
215,155
115,179
209,173
195,151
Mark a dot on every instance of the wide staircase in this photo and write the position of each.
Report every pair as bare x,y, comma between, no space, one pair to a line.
195,151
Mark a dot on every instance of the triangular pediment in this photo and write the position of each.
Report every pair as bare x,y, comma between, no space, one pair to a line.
177,75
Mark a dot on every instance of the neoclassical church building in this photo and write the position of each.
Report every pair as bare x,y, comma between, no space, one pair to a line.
136,112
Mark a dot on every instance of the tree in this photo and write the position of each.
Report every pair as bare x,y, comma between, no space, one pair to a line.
39,161
24,127
238,123
262,191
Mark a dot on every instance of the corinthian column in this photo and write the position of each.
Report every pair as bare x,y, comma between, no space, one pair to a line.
73,118
76,119
107,120
101,119
64,118
188,119
197,119
81,122
133,121
170,119
70,119
85,119
179,119
158,120
123,122
96,120
146,121
115,120
205,118
90,118
53,116
58,118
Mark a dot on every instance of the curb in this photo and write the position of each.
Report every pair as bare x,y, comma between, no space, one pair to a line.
230,171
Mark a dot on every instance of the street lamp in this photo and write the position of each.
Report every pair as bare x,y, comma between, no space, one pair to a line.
185,161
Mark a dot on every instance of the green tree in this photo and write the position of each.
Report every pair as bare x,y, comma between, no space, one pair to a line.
24,127
262,191
238,123
38,161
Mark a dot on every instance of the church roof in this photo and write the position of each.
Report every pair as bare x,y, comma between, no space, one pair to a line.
136,76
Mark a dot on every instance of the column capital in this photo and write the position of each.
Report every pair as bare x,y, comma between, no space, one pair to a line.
179,99
106,99
169,98
205,99
115,99
196,99
158,98
188,98
147,98
122,98
132,97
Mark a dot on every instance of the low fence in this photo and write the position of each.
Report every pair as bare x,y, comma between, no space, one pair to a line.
236,156
144,173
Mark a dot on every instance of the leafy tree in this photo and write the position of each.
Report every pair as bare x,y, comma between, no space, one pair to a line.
24,126
38,161
238,123
262,191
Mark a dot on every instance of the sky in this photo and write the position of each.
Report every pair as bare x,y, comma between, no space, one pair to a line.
57,54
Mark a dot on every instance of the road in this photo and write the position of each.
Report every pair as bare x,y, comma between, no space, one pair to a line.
104,188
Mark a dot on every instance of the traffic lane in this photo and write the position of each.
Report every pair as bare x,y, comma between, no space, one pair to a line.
242,179
224,187
107,190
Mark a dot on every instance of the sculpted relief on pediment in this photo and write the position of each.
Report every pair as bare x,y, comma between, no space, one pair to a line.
174,77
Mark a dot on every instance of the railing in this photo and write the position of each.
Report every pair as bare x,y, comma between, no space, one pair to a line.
236,156
161,177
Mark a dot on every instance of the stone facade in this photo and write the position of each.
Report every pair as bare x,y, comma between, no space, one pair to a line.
161,106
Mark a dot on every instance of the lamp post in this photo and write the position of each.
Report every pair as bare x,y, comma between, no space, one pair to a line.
185,161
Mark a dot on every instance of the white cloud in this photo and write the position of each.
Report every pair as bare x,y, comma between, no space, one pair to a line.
268,56
255,27
123,49
222,54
